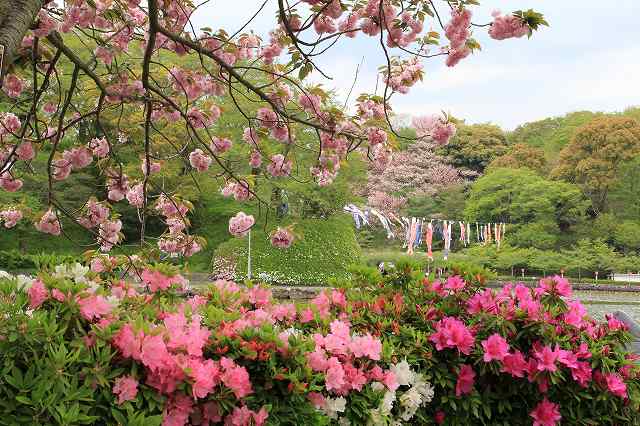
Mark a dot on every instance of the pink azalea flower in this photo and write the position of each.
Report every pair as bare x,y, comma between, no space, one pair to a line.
454,283
334,378
466,377
546,358
546,413
37,294
236,378
94,307
514,364
126,388
495,348
616,384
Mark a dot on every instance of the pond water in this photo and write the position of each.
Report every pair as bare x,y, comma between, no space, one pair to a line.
599,303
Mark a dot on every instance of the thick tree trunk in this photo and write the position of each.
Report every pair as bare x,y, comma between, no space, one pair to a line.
16,17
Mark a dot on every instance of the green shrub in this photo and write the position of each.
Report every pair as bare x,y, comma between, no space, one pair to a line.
325,250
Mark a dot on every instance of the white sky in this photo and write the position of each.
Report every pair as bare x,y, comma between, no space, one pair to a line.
589,59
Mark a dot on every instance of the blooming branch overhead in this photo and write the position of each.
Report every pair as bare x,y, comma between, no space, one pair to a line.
87,88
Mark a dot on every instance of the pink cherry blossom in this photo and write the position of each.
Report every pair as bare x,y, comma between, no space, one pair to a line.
11,217
49,223
25,151
135,195
220,145
199,160
508,26
13,85
282,238
9,183
435,127
279,166
240,224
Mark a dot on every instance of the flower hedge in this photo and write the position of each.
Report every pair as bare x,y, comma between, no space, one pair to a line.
81,347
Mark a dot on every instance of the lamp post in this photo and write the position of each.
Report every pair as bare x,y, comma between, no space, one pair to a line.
249,259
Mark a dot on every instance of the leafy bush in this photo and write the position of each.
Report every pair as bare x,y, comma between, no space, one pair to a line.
325,250
13,260
79,348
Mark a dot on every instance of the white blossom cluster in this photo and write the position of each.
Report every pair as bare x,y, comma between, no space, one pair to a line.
414,392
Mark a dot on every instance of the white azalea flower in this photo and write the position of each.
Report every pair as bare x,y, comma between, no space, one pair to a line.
377,386
333,406
78,272
403,373
387,403
61,271
24,282
5,275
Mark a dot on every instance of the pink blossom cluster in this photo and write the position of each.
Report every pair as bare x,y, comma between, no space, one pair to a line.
199,160
239,190
121,88
117,185
154,166
172,355
95,214
135,195
220,145
156,280
435,127
507,26
282,238
9,123
25,151
397,36
370,109
109,234
49,223
338,355
240,224
10,217
13,85
176,242
457,31
279,166
403,75
9,183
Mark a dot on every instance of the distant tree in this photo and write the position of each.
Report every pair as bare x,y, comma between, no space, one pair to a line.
551,134
602,228
624,199
522,197
595,154
414,171
521,156
591,256
475,146
548,262
627,236
510,258
539,235
448,203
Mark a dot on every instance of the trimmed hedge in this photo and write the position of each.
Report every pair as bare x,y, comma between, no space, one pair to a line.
323,251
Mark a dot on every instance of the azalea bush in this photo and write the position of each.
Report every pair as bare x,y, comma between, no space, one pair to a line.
114,345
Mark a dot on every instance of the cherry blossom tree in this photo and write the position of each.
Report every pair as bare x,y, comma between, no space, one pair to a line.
101,65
